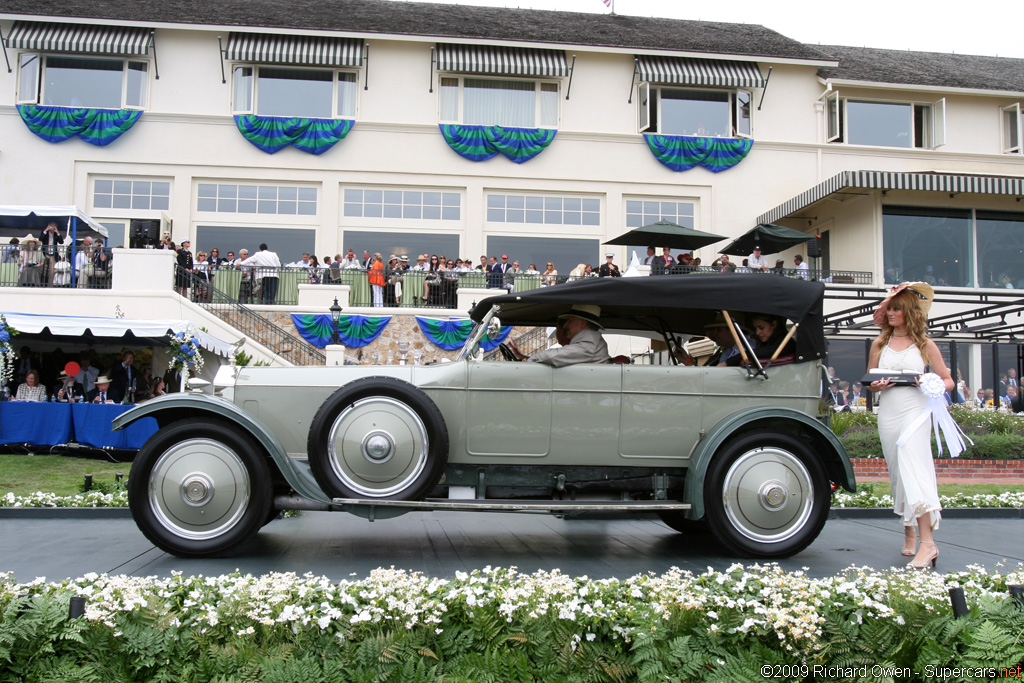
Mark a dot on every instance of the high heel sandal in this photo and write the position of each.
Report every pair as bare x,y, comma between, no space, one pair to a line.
909,551
929,561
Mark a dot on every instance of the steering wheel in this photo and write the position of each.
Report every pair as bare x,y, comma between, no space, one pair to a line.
506,352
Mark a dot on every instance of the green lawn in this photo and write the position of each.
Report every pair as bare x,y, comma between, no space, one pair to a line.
63,475
59,474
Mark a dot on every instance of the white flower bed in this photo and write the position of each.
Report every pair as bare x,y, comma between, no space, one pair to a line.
755,599
93,499
839,500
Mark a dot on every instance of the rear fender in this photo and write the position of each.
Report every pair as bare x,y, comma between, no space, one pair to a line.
175,407
819,437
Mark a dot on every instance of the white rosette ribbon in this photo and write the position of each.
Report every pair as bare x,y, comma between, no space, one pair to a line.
945,427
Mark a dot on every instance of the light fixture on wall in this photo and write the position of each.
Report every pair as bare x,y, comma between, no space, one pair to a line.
335,310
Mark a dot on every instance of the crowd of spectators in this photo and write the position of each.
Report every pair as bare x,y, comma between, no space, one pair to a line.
844,395
36,378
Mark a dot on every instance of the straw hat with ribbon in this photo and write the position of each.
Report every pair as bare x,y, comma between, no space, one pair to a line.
925,295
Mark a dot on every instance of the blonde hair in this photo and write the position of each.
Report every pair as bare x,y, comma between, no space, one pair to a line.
915,319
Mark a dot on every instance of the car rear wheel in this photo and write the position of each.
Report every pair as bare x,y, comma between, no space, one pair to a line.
199,488
378,437
766,495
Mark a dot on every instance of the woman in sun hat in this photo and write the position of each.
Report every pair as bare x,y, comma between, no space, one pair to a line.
903,412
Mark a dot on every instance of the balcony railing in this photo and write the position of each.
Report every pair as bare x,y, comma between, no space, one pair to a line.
854,277
280,286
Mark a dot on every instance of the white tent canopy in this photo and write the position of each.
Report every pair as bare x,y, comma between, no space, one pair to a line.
17,221
76,326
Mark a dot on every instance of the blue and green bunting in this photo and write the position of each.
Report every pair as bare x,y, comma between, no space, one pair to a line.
98,127
354,331
451,333
274,133
683,152
479,143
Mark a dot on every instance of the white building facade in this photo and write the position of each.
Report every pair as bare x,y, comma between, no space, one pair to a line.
399,101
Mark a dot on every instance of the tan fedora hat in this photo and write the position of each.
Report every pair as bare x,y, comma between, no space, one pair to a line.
588,312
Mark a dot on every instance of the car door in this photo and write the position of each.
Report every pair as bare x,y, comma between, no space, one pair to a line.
508,409
661,411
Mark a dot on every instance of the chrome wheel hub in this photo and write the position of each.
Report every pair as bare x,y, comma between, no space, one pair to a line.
378,447
199,489
768,494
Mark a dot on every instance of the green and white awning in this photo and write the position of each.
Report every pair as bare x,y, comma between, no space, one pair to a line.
507,61
686,71
265,48
101,40
890,180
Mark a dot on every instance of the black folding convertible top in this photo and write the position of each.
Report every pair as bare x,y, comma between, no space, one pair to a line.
680,304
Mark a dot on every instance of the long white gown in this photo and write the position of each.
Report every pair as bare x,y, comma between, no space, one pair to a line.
911,469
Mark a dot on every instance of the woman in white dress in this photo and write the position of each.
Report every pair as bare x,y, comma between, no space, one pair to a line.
903,346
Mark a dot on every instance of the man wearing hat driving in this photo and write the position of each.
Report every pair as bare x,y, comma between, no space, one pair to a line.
584,341
609,269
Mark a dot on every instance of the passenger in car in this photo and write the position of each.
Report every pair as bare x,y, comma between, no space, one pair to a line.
770,330
581,329
719,332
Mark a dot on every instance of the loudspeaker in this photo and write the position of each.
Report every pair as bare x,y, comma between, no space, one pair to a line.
812,248
143,233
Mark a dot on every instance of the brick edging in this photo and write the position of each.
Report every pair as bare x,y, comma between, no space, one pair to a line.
948,468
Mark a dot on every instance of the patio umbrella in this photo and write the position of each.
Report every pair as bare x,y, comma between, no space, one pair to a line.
770,237
667,234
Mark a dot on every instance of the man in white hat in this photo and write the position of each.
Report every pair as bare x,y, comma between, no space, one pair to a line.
101,393
584,343
609,269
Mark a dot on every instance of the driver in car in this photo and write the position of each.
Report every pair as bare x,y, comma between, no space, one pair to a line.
583,341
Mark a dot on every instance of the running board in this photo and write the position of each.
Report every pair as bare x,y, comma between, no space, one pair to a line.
513,505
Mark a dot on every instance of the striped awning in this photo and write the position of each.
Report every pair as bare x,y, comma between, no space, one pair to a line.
890,180
102,40
267,48
686,71
507,61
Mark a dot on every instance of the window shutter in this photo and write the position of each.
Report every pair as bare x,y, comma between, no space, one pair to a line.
938,117
833,124
643,107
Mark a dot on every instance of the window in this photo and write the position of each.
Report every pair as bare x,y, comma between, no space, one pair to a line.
1012,129
281,200
565,253
706,113
499,102
288,243
641,212
75,81
885,124
1000,249
543,210
414,204
116,193
401,243
284,91
933,245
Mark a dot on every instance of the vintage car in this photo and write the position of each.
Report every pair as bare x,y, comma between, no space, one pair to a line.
738,451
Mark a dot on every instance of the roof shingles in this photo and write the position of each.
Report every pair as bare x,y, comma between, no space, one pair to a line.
442,21
924,68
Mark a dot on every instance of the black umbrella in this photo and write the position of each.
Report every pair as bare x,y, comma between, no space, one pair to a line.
667,234
770,237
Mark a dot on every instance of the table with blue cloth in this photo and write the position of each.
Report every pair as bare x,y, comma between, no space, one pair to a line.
92,426
36,423
52,424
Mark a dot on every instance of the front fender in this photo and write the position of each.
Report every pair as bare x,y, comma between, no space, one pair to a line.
819,437
175,407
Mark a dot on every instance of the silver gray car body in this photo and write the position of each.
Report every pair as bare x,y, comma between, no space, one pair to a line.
737,450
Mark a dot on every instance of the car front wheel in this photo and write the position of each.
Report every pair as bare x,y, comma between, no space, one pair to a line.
199,488
766,495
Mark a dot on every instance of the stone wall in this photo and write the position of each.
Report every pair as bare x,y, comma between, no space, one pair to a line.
401,328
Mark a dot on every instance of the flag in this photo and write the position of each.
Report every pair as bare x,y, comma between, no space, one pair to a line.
607,3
